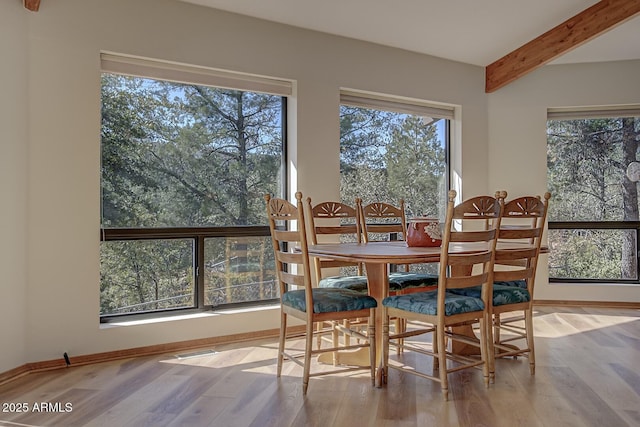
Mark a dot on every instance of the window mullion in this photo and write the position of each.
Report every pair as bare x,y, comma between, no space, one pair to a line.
199,270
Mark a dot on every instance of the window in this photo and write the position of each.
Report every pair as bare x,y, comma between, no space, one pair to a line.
187,155
392,149
593,174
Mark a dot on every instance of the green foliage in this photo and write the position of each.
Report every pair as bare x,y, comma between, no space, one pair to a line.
416,166
586,254
585,169
587,161
386,156
184,155
145,275
179,155
239,270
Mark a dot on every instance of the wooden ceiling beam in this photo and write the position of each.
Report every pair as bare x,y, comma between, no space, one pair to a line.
573,32
32,5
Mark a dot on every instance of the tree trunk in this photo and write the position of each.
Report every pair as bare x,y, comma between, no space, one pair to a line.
629,201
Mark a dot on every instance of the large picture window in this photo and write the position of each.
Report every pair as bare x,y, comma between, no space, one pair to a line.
185,165
393,149
593,174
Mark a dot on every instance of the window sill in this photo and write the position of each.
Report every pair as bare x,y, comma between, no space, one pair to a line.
607,284
191,316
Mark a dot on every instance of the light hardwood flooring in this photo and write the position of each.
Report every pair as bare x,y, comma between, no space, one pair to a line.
587,374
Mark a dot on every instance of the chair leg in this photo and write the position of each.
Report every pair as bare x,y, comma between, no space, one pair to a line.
486,346
489,340
307,357
442,361
371,334
347,338
319,337
434,345
281,341
528,323
401,326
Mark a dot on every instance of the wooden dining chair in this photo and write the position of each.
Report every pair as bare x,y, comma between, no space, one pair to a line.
333,221
442,310
298,298
382,222
523,221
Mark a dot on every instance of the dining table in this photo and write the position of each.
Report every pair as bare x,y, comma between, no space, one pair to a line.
377,258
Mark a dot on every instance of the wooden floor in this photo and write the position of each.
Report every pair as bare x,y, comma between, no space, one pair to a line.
588,374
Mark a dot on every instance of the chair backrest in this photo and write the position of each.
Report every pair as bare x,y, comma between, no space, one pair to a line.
523,220
463,270
531,209
380,220
289,238
337,221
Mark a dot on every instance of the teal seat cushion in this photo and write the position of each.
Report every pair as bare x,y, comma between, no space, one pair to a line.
427,303
502,294
397,281
402,280
356,283
517,283
327,300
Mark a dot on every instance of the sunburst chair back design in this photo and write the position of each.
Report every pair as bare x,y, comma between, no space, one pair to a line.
311,305
383,221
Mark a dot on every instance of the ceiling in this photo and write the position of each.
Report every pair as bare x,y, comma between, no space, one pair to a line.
476,32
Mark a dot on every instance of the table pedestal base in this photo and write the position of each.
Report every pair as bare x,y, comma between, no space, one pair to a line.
359,357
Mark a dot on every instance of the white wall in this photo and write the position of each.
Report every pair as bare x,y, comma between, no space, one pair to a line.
58,177
517,143
50,146
14,177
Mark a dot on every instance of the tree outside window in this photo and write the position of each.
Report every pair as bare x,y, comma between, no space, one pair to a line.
593,175
179,157
388,155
